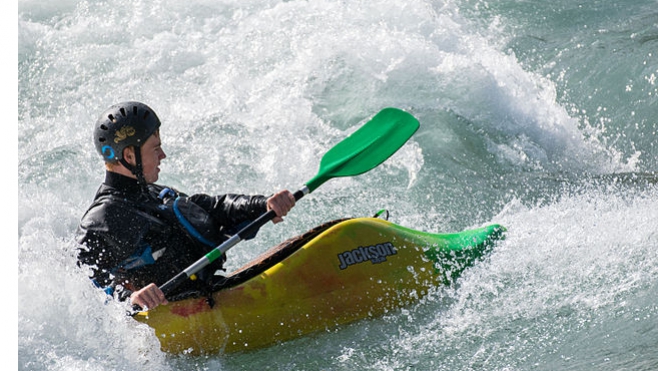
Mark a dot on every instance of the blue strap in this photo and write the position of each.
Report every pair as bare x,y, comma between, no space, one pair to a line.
139,259
108,290
166,192
190,229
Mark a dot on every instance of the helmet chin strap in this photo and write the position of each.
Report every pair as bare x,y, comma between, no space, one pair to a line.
137,170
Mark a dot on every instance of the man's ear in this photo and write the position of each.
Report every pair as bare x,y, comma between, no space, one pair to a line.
129,155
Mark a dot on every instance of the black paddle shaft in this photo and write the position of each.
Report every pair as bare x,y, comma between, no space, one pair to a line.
254,226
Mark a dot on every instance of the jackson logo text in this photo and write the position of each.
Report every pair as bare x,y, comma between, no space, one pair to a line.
375,253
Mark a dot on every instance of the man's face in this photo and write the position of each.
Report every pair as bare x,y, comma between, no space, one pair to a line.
152,154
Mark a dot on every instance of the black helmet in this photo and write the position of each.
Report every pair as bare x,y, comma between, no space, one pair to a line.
123,125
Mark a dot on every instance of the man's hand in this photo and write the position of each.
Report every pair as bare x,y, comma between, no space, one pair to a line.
281,202
148,297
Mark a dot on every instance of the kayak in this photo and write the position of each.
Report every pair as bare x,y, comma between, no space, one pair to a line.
340,272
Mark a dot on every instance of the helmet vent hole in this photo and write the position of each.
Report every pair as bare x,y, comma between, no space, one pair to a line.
134,110
103,126
146,114
123,111
101,139
111,117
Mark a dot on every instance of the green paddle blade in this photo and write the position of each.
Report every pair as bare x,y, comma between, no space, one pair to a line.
367,147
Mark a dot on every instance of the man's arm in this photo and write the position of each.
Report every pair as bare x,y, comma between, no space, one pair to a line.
233,209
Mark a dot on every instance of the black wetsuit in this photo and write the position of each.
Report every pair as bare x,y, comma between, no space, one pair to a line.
133,236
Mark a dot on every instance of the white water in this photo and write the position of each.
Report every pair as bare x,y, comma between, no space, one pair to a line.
253,93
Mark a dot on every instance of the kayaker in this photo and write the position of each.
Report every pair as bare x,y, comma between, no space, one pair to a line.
136,234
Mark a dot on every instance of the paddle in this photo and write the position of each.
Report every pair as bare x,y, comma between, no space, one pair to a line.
362,151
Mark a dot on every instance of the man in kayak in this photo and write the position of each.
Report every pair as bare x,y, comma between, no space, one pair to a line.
136,234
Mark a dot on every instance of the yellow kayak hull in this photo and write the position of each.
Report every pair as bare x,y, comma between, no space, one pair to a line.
355,269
